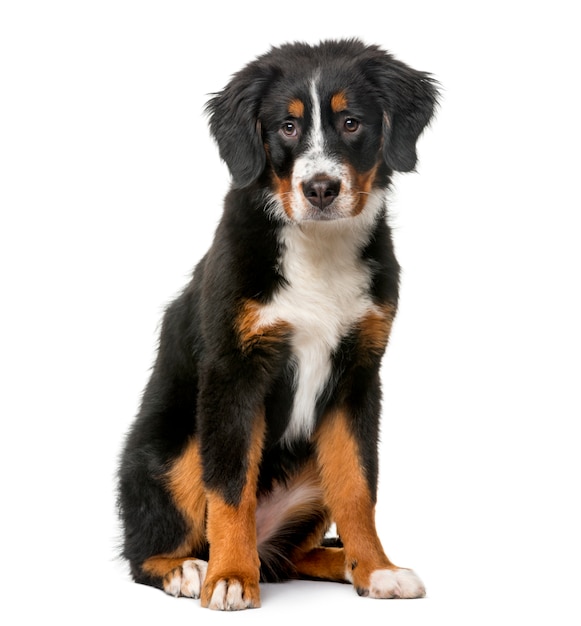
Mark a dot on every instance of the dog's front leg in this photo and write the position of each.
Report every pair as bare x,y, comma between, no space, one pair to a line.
231,453
350,495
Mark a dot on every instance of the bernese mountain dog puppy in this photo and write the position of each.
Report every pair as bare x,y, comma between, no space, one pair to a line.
258,428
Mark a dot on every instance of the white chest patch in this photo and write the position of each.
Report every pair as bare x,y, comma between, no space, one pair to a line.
325,296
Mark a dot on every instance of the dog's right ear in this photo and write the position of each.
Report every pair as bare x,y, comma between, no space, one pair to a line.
235,125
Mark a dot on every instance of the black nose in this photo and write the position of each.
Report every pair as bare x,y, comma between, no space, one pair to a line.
320,191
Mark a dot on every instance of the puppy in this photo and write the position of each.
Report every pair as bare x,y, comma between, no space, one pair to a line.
258,428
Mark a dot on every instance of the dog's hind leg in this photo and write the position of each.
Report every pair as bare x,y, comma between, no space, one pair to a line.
165,525
323,564
176,576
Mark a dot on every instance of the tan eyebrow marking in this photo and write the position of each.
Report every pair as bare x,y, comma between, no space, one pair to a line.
296,108
339,102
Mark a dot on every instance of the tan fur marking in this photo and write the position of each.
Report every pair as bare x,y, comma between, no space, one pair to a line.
252,333
362,186
283,189
187,488
184,481
375,328
348,497
296,108
322,563
231,532
339,102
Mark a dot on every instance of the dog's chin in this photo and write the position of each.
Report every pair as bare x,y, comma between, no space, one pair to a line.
323,216
293,212
334,212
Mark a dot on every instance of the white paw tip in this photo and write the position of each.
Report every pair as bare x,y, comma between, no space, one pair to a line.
234,601
186,580
218,601
395,583
173,585
229,596
193,574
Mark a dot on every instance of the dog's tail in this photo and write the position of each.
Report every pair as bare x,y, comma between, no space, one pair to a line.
291,520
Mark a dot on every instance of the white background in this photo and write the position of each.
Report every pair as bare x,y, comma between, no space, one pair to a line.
110,190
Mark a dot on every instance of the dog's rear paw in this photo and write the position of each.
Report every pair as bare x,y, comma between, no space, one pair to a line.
187,579
394,583
232,595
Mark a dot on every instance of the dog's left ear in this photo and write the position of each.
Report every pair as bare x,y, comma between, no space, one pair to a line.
408,99
235,125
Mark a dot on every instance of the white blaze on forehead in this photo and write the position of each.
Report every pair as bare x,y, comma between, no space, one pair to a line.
316,138
315,161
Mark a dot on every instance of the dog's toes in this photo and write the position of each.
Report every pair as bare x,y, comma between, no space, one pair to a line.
232,595
394,583
186,580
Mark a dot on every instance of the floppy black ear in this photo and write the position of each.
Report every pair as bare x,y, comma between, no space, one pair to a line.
408,98
235,125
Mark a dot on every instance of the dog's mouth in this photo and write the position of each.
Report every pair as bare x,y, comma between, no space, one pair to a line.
326,215
322,197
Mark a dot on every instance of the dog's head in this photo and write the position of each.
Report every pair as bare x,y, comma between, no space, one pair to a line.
321,126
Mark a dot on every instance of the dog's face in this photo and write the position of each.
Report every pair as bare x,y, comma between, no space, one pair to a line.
321,127
322,137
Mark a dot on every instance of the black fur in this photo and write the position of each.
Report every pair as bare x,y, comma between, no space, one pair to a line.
202,384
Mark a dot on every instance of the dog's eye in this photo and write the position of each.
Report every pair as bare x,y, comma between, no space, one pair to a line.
289,129
351,125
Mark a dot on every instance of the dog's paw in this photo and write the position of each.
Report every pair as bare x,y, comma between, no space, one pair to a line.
187,579
394,583
232,594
